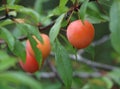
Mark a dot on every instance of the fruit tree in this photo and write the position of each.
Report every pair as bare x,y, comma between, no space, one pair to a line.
59,44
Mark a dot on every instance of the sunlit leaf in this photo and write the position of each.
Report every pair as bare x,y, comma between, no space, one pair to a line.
115,75
38,54
56,28
108,82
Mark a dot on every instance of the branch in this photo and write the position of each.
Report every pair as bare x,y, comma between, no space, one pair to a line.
87,75
3,18
47,75
25,37
46,27
55,72
92,63
101,41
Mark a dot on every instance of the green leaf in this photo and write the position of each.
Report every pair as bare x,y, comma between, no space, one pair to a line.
114,25
30,13
6,61
94,15
38,6
67,45
30,30
19,50
16,78
7,36
63,3
108,82
59,10
38,53
64,65
10,2
56,28
90,50
3,86
115,75
83,9
6,22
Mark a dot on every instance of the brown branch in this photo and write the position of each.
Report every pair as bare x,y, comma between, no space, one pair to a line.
46,27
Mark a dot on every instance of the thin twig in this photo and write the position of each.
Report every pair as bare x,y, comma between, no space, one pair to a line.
22,38
46,27
47,75
3,18
101,41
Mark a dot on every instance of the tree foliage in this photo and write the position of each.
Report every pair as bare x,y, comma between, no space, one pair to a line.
95,67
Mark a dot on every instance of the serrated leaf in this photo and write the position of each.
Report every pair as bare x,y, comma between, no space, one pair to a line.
19,50
38,54
64,65
83,9
19,78
7,36
56,28
114,25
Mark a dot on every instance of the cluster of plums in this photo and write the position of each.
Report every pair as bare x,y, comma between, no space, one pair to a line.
79,33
